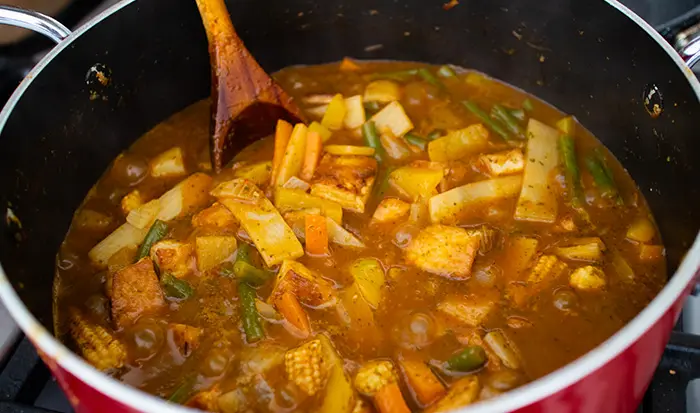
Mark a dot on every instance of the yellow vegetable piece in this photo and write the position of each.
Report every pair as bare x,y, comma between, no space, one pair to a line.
335,114
339,395
168,164
355,112
143,216
185,197
460,143
259,173
294,155
213,250
321,130
392,118
126,235
641,230
349,150
382,91
288,199
369,276
416,182
567,125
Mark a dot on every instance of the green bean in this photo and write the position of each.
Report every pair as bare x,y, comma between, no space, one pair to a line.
371,137
252,326
518,114
446,71
226,269
381,184
372,107
182,392
471,358
426,75
437,133
416,140
244,253
175,287
400,75
247,272
528,105
501,113
495,125
157,231
602,176
567,147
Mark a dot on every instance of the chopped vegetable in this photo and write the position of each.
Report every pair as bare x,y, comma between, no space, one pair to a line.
459,144
131,201
444,250
135,292
293,158
587,278
318,99
463,392
248,273
306,367
446,71
518,114
567,125
349,150
355,112
288,305
390,210
528,105
311,156
212,250
548,267
340,396
183,391
125,236
503,163
97,345
369,277
259,173
430,78
571,170
399,75
519,252
371,137
339,235
358,317
392,118
316,231
422,381
335,114
185,197
590,252
435,134
622,267
175,287
470,312
373,375
168,164
216,216
157,231
172,256
389,399
415,182
469,359
493,124
347,65
323,131
346,180
538,201
296,199
648,253
448,206
143,216
602,176
261,220
372,107
185,338
382,91
416,140
503,349
641,230
395,148
508,120
296,183
252,326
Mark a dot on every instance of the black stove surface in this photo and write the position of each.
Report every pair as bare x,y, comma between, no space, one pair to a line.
26,385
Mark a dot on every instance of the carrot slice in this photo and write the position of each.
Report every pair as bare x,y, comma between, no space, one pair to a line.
288,305
282,133
347,65
316,234
313,151
389,400
422,381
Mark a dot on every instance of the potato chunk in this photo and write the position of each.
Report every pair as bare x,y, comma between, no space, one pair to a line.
135,291
168,164
172,256
216,216
588,278
503,163
470,311
346,180
444,250
213,250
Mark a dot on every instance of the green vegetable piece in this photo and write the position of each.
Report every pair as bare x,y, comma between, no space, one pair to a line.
183,391
528,105
252,326
399,76
381,184
602,176
518,114
426,75
416,140
226,269
469,359
437,133
567,148
501,113
249,273
446,71
371,107
244,253
493,124
175,287
157,231
371,137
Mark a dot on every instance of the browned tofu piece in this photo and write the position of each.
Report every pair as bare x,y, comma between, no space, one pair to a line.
346,180
174,257
463,392
135,291
444,250
185,337
216,216
470,311
390,210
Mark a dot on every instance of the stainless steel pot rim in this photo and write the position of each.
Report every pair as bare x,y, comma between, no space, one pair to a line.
518,398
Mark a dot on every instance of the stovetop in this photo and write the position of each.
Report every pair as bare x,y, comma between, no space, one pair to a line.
26,385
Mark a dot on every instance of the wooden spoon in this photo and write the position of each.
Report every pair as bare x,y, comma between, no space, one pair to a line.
246,102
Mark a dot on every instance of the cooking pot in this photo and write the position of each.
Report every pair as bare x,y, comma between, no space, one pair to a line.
595,59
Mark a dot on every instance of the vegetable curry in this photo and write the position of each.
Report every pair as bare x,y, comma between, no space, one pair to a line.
430,238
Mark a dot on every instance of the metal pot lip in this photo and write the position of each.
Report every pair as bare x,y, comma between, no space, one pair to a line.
518,398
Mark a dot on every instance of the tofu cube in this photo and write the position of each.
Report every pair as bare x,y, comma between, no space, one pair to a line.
470,311
503,163
390,210
135,292
173,257
346,180
444,250
216,216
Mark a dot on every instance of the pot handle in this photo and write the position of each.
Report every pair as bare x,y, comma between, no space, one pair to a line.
687,43
32,20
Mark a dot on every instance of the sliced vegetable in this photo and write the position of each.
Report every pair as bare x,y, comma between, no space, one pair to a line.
394,147
528,105
586,252
350,150
311,156
567,147
390,210
295,199
212,250
388,399
446,71
288,305
508,120
463,392
339,235
126,236
369,277
354,112
293,158
503,349
316,231
371,137
641,230
250,274
296,183
519,252
379,380
392,118
158,231
252,326
259,173
548,268
422,381
537,201
261,220
97,344
183,391
175,287
323,131
493,124
503,163
602,176
339,396
587,278
567,125
415,182
382,91
185,197
444,250
435,134
399,75
518,114
459,144
335,114
622,267
447,207
416,140
168,164
469,359
430,78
